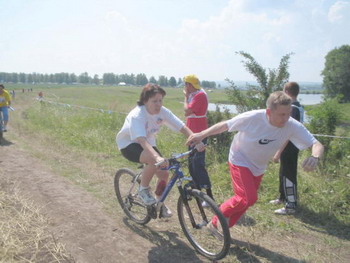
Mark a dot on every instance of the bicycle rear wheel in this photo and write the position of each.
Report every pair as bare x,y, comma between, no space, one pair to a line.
196,229
126,187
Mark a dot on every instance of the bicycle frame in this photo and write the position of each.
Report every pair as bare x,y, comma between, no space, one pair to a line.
177,175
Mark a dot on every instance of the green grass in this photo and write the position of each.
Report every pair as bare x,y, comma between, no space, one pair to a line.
324,198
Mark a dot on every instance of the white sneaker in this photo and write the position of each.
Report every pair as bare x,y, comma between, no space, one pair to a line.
214,231
205,204
276,202
165,212
285,211
146,197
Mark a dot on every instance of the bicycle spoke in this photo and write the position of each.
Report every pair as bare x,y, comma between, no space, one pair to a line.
126,191
200,237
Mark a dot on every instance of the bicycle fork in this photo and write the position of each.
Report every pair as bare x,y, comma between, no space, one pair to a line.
184,196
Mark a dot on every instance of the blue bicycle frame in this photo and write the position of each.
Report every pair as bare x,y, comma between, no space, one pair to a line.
177,174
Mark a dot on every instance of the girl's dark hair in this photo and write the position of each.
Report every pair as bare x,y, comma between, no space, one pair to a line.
148,91
2,86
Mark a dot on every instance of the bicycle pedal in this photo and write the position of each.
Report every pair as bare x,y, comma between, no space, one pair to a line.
152,211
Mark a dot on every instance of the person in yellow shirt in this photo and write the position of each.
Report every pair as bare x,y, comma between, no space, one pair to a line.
5,102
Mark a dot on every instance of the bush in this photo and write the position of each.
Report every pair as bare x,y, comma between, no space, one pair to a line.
220,143
324,120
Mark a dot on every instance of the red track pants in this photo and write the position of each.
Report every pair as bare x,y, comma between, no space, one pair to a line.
245,186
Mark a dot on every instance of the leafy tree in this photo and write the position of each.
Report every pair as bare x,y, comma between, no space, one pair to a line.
22,77
38,78
163,81
30,78
96,80
84,78
14,77
108,79
172,82
208,84
132,79
269,80
128,79
73,78
46,78
141,79
336,74
153,80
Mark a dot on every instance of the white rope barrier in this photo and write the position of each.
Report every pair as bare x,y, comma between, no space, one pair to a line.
331,136
78,106
110,112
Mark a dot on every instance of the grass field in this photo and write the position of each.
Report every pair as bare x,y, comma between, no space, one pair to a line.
85,120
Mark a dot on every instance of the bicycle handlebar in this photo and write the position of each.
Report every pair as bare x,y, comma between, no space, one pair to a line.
180,155
177,156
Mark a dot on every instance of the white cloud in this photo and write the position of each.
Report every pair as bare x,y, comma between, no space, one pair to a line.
120,37
339,11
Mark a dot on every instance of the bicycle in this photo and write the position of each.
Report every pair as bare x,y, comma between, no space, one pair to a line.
192,216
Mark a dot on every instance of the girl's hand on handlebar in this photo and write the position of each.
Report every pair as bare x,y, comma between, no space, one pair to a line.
161,162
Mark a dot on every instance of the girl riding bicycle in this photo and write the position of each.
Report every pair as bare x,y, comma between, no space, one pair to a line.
137,140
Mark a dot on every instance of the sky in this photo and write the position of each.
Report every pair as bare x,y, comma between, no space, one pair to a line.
171,37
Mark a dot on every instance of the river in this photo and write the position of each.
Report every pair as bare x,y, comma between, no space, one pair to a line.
305,99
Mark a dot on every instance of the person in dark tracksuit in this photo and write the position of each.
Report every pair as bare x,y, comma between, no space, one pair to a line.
288,157
196,107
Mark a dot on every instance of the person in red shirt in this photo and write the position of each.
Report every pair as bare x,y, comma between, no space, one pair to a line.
196,106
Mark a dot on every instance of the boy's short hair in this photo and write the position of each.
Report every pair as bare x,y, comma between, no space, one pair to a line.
292,88
278,98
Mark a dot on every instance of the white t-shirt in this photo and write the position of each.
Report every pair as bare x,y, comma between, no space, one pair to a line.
257,140
139,123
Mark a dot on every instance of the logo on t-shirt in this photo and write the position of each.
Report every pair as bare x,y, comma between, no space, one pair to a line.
265,141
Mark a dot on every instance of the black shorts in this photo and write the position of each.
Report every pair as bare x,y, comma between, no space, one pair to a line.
133,151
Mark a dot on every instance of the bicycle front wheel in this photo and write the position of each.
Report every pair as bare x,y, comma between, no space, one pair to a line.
194,219
126,188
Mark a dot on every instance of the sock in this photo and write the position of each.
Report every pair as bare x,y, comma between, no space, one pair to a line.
143,187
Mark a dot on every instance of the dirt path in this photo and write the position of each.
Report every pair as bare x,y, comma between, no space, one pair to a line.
78,220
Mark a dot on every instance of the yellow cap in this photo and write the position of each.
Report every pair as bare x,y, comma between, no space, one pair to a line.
193,80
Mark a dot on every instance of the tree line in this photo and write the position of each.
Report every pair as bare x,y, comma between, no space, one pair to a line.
84,78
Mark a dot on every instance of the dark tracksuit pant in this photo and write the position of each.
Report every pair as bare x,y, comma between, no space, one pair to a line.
288,175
